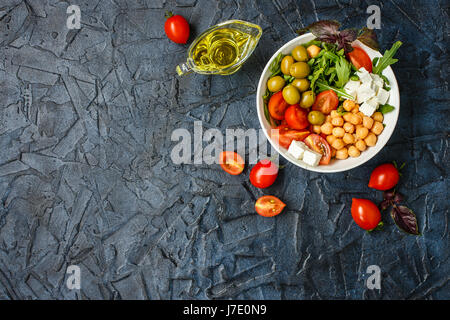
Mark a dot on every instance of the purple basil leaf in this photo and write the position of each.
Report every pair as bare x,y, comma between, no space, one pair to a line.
405,219
324,28
349,35
389,195
385,204
398,198
369,38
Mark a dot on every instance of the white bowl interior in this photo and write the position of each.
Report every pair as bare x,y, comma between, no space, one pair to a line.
390,119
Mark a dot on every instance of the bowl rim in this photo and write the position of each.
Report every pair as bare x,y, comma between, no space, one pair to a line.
321,169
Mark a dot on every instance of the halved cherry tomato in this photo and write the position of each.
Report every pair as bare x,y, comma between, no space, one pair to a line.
176,28
283,135
359,58
277,106
269,206
365,213
231,162
320,145
384,177
264,174
326,101
296,117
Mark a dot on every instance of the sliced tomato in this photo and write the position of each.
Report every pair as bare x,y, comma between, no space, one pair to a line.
359,58
326,101
231,162
269,206
296,117
283,135
277,106
320,145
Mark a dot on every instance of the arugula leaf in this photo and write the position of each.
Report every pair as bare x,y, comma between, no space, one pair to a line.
385,108
340,93
275,66
386,60
343,70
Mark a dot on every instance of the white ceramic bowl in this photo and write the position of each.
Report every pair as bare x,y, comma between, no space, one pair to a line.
390,119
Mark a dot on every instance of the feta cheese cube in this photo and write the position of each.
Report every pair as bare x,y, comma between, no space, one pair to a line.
365,92
364,75
369,107
297,149
382,96
377,80
311,157
351,88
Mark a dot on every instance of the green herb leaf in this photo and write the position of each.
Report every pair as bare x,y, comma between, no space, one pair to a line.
340,93
341,111
387,59
385,108
275,66
343,70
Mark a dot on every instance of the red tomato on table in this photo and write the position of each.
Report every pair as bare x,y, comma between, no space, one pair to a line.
296,117
384,177
269,206
365,213
283,135
359,58
176,28
326,101
277,106
320,145
264,174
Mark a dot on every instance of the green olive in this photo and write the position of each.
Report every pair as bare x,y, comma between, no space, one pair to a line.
301,84
299,70
291,94
307,99
275,84
300,54
286,64
316,118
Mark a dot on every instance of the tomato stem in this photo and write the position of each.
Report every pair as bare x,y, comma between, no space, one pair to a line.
168,14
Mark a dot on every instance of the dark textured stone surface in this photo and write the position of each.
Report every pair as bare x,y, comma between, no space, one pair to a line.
86,176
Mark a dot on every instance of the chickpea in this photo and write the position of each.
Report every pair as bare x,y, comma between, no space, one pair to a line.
371,140
316,129
342,154
348,105
353,152
338,132
338,144
362,132
367,122
328,118
360,145
348,127
348,138
334,114
355,110
377,128
355,119
326,128
378,116
337,121
362,115
330,139
347,116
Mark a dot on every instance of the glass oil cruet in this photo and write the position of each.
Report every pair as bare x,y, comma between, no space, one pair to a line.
222,49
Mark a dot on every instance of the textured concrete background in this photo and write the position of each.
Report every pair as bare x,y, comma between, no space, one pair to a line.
86,176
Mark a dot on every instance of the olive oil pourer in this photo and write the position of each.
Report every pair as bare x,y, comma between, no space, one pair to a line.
222,49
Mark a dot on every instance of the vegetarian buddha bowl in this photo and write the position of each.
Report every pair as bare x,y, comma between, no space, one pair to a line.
327,109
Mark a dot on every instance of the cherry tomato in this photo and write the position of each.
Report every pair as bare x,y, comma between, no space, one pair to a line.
264,174
384,177
269,206
231,162
359,58
296,117
365,213
277,106
176,28
326,101
320,145
283,135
